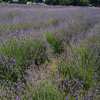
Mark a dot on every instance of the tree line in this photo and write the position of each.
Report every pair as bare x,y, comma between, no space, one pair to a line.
73,2
65,2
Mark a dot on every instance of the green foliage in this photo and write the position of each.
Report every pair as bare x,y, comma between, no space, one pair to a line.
56,43
90,5
54,22
80,15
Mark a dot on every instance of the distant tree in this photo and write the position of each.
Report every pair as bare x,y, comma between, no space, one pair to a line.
54,2
65,2
48,1
38,0
84,2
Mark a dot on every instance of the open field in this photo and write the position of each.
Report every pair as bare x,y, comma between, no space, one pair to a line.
49,53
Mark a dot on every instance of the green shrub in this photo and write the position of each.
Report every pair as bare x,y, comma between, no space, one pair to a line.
56,43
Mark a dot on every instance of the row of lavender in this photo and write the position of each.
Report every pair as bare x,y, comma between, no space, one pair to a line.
31,36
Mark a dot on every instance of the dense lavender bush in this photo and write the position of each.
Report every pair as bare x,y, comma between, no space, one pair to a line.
22,52
84,60
56,43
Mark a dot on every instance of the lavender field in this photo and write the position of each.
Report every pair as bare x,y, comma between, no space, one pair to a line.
49,52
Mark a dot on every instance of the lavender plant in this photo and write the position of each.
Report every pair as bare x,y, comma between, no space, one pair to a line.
84,61
23,52
56,43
